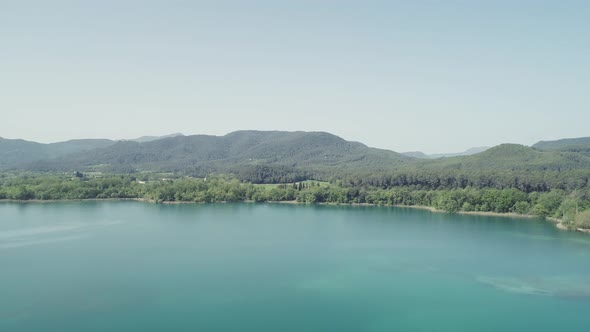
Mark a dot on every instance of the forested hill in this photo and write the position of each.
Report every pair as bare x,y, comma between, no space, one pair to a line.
18,152
579,145
144,139
503,166
545,180
241,152
280,157
511,157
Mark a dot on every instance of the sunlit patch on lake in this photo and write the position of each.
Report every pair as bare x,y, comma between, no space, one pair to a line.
562,286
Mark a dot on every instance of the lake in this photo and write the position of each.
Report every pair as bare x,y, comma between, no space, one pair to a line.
130,266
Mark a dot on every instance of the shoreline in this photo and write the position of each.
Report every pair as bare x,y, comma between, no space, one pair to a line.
557,222
35,201
429,208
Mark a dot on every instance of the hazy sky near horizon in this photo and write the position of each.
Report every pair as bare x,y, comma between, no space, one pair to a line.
434,76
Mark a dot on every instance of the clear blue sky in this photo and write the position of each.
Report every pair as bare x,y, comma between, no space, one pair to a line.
434,76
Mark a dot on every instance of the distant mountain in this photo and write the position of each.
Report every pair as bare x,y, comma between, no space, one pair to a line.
237,152
277,156
579,145
512,157
78,145
144,139
422,155
15,152
416,154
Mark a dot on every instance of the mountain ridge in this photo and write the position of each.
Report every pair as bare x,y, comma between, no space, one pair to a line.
579,145
261,154
512,157
241,149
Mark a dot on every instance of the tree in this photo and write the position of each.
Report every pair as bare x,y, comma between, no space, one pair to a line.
521,207
551,201
568,209
540,210
582,219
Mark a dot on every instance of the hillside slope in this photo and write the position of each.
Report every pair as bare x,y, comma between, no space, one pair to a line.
18,152
579,145
234,152
512,157
273,156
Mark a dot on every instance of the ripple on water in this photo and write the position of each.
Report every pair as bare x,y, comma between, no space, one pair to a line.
561,286
46,234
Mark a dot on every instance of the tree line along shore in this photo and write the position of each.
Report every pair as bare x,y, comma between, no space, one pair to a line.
571,208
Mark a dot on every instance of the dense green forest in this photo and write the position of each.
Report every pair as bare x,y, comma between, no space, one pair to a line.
578,145
200,155
285,157
573,207
549,179
18,152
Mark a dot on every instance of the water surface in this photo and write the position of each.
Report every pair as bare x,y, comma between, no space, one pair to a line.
129,266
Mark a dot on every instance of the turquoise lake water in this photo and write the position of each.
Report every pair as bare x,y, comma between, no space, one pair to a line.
130,266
